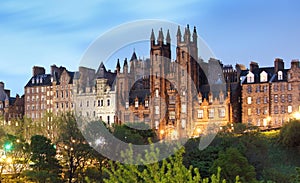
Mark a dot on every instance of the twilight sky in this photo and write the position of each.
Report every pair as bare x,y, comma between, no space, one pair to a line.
58,32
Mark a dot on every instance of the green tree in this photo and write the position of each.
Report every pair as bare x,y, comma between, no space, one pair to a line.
234,164
45,166
75,150
168,170
290,134
135,133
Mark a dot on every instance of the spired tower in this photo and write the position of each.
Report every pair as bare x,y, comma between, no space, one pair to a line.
160,56
172,106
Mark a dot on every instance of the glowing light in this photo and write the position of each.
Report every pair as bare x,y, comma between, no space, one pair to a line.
9,160
162,132
297,115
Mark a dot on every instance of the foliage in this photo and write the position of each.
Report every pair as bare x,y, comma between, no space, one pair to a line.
45,166
135,133
290,134
75,151
234,164
168,170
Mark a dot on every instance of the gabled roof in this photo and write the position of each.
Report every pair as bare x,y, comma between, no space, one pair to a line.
46,80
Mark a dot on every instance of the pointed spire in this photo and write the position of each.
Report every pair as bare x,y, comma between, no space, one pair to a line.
195,36
178,35
152,38
187,34
160,38
125,63
125,66
118,67
168,38
133,57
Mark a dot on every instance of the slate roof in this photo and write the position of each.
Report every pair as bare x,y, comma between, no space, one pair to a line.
272,76
46,80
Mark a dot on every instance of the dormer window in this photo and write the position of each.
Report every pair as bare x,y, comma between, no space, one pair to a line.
136,104
32,81
263,76
280,75
146,103
250,77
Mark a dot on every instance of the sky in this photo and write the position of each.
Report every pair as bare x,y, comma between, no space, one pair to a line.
50,32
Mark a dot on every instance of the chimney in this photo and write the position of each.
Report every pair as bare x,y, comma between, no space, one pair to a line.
253,66
295,64
278,65
36,70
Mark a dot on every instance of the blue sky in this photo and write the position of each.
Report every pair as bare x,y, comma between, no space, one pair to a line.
58,32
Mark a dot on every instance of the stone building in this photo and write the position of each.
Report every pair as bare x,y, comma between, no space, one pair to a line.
176,98
11,108
50,93
95,94
270,95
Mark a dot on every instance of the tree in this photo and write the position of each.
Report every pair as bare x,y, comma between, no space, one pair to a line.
135,133
168,170
76,153
289,134
16,155
233,164
45,166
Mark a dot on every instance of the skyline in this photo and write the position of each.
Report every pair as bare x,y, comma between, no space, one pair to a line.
54,32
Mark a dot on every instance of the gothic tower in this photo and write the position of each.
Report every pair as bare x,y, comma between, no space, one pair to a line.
160,56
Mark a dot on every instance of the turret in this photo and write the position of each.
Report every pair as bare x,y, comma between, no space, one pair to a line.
168,38
187,34
160,39
125,66
152,38
195,36
178,35
118,67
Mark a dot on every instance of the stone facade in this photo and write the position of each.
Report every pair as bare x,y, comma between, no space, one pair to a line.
11,108
270,95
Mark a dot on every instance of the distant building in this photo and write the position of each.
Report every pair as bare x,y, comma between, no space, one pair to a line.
270,95
11,108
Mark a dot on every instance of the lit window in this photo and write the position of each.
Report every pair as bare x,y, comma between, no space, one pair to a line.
183,108
183,123
136,104
211,113
250,77
126,105
200,114
290,109
280,77
172,115
263,76
146,103
249,100
156,109
249,111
